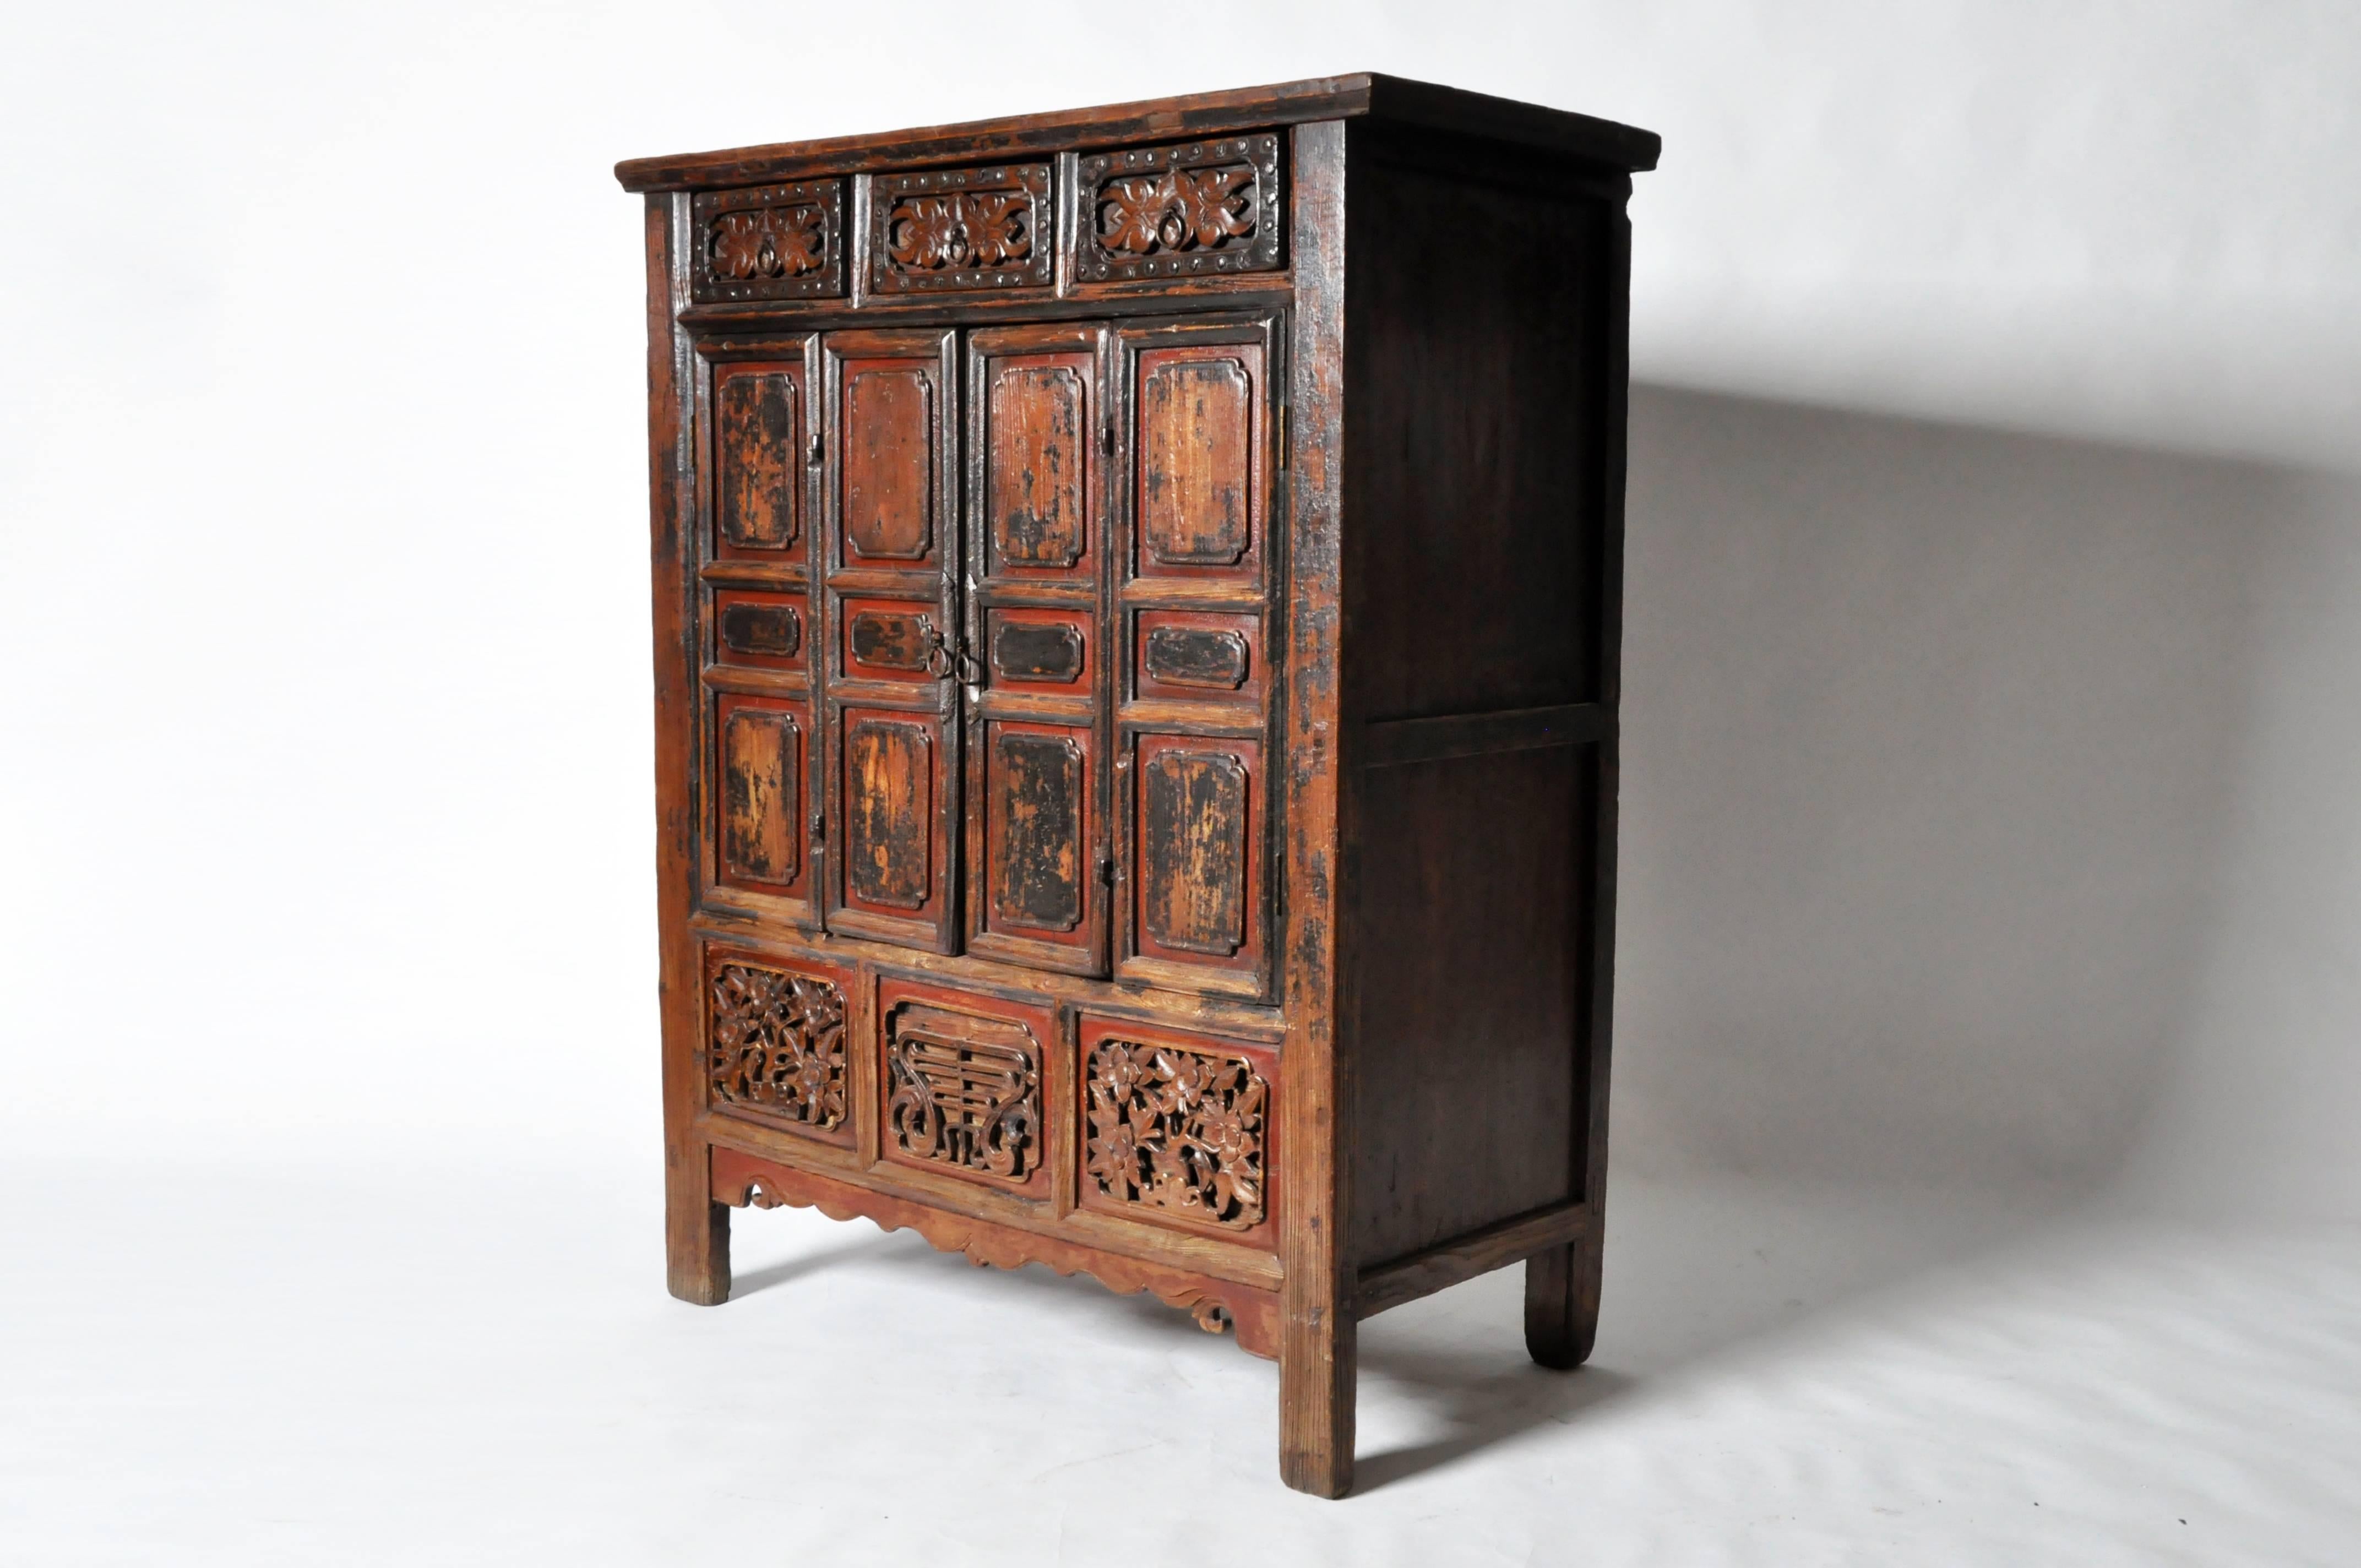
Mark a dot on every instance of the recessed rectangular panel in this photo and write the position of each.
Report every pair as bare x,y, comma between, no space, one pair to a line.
1197,506
894,640
758,453
1041,430
1037,811
1199,656
1196,841
1041,650
758,805
891,423
761,630
889,806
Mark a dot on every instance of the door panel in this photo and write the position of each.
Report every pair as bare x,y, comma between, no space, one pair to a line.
1195,817
889,773
759,436
761,761
893,638
1040,427
1036,853
891,431
1197,502
1038,894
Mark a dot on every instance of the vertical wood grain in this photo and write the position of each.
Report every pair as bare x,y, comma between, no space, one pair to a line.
696,1229
1317,1352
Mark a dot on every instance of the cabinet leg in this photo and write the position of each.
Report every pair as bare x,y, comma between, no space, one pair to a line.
696,1230
1316,1373
1561,1304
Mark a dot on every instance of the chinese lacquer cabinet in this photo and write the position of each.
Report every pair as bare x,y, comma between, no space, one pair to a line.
1136,600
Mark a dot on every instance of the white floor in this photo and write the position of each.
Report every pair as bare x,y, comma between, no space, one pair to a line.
204,1364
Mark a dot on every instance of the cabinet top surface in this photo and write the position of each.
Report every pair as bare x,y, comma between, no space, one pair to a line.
1361,95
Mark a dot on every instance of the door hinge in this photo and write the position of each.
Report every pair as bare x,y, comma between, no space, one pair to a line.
819,449
819,827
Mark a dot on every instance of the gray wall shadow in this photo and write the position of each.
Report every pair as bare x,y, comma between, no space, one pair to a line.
1929,735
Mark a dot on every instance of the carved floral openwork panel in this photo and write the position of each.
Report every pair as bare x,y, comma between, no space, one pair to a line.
1176,1130
961,228
1165,211
963,1091
778,1046
775,242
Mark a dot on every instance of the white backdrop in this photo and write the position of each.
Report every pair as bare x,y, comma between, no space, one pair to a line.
1991,820
1995,584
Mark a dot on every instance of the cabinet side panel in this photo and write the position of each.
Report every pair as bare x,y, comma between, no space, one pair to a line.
1471,993
1483,529
1475,440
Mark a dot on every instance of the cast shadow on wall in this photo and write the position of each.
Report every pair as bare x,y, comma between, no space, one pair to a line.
1930,736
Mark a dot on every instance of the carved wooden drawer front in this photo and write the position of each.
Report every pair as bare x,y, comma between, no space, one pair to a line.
1177,1129
963,1084
774,242
776,1042
1171,212
961,228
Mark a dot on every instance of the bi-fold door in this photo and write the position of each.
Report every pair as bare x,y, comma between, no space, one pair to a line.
986,632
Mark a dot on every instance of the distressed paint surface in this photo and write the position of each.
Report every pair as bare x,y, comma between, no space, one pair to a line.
760,749
889,783
889,455
1196,459
757,450
1038,465
1195,851
775,631
1034,650
1037,828
1191,656
890,641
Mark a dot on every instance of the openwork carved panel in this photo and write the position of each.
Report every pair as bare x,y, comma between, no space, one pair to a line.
777,1044
961,229
1176,1130
1167,212
775,242
963,1091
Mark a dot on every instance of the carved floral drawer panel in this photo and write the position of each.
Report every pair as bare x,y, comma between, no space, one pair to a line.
1136,743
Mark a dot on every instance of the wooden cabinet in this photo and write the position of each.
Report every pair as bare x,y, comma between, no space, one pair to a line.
1136,620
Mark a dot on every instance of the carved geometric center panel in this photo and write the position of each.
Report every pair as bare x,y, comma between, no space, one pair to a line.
778,1044
966,1091
1178,1130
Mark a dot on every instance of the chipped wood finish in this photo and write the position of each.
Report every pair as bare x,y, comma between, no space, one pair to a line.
1136,740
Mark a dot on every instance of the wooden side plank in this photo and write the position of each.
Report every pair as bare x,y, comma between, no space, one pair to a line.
696,1230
